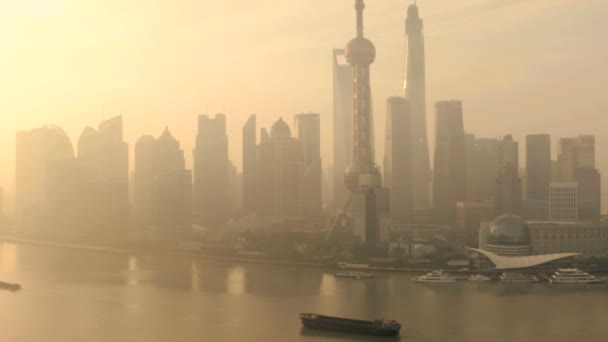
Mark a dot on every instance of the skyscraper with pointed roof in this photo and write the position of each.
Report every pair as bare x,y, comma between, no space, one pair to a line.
414,89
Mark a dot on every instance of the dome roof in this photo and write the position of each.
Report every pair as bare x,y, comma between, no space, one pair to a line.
360,51
86,140
280,130
509,230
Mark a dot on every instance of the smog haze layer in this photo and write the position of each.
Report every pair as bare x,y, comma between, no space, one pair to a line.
532,66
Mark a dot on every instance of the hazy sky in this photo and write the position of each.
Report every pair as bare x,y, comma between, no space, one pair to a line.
519,66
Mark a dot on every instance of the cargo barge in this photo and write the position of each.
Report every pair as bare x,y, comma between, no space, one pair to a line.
353,326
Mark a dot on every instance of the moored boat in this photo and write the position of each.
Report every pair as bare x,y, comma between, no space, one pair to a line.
354,275
574,276
347,325
9,286
436,277
518,277
478,278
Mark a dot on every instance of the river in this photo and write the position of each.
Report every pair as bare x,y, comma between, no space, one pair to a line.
74,295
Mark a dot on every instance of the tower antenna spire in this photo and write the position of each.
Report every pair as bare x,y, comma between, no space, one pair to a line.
359,6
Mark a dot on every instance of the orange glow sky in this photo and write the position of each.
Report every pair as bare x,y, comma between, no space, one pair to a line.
520,66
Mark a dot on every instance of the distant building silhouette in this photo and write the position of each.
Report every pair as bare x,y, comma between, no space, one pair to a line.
162,185
482,156
414,89
342,124
250,156
576,163
508,195
574,153
309,136
35,151
211,191
538,166
449,171
235,182
398,168
103,157
280,170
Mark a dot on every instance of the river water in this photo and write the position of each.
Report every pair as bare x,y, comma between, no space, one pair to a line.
72,295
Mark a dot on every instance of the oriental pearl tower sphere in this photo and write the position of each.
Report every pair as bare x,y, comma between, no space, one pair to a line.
360,53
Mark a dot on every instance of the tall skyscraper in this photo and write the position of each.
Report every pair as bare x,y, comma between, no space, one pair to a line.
576,163
589,193
309,136
574,153
163,187
398,159
363,175
250,151
482,168
35,151
449,171
342,124
538,166
280,171
508,183
211,187
103,156
414,89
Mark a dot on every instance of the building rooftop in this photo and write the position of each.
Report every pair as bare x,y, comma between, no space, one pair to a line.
518,262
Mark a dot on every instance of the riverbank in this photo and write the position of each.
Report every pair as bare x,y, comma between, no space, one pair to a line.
139,252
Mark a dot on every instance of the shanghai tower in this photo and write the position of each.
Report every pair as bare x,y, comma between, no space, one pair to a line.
363,175
414,90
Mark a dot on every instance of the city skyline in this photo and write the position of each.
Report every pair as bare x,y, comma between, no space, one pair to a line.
388,36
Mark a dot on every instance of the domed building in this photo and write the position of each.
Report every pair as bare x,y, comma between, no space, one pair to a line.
280,170
507,235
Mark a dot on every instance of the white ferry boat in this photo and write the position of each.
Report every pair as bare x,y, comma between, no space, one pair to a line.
574,276
354,275
437,277
479,278
517,277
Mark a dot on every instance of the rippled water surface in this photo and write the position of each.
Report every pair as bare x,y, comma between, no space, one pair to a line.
74,295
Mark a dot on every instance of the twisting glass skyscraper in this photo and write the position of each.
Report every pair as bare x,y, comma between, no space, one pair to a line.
414,90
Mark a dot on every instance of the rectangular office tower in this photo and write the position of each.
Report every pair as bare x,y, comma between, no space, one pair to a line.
538,166
211,193
449,172
309,135
398,166
250,150
563,201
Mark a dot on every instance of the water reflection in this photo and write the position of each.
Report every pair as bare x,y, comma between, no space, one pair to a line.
236,280
132,275
336,336
8,258
158,297
328,284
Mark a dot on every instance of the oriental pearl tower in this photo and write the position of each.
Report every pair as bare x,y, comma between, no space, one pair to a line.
362,177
